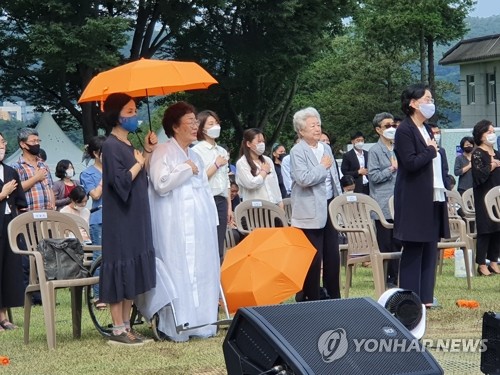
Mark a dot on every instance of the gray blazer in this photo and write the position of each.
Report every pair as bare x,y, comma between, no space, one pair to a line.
464,179
309,200
380,178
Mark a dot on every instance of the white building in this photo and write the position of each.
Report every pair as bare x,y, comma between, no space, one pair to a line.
479,61
17,111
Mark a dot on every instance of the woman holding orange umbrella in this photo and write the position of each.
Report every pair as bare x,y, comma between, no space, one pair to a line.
128,259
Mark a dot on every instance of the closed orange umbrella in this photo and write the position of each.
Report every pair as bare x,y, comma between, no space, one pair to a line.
267,267
147,77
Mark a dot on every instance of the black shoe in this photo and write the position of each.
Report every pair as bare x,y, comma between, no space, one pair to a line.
36,302
323,294
480,273
299,297
493,272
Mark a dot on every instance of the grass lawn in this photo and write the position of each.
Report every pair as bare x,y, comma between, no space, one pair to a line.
91,354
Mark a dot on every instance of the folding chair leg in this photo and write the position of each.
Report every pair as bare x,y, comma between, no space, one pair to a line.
76,310
27,316
440,260
467,267
348,279
378,275
49,305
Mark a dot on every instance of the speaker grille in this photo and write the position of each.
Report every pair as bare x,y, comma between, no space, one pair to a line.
301,325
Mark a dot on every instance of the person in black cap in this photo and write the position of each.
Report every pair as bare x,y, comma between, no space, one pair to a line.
355,162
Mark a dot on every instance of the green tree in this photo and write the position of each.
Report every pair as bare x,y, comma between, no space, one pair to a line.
52,49
418,26
256,50
351,82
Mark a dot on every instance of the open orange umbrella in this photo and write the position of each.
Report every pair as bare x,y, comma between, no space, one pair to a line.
145,78
267,267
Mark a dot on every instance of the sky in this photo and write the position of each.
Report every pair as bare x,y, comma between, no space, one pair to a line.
486,8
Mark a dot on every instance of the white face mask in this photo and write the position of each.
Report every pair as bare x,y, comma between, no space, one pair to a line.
491,139
78,208
214,131
437,137
2,153
389,133
260,148
70,172
359,145
427,109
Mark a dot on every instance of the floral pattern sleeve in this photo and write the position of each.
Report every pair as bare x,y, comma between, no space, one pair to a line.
481,167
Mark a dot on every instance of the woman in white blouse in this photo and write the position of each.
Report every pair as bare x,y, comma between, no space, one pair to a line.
255,174
215,160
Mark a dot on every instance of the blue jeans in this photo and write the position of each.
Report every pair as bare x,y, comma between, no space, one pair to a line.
96,237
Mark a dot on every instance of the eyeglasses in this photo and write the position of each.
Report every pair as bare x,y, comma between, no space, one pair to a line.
192,124
3,142
395,126
34,142
428,100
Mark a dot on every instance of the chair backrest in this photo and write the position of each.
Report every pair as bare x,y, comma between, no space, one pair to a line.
458,232
28,229
468,199
256,213
454,203
352,214
83,225
492,201
229,240
287,205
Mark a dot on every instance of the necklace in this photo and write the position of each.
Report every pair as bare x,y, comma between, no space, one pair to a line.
120,138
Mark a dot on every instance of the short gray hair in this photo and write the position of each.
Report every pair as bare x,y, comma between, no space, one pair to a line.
24,133
379,117
300,117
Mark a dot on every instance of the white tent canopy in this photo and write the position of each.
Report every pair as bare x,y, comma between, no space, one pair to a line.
56,144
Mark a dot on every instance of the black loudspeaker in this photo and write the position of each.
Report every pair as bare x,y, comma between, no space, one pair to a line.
490,358
350,336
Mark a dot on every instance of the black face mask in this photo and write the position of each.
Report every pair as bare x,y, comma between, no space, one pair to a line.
33,149
468,149
281,157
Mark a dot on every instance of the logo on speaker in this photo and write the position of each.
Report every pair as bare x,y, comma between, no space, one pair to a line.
333,345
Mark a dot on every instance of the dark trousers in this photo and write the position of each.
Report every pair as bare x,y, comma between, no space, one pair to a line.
417,269
326,242
388,244
488,247
11,275
221,203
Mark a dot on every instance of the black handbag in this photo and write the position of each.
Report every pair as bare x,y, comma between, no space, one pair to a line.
62,258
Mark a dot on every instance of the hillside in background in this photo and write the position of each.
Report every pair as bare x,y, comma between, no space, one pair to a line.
477,27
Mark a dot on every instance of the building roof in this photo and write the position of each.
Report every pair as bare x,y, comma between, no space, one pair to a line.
471,50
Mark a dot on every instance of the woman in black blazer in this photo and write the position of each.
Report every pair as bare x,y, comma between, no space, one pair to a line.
421,216
12,199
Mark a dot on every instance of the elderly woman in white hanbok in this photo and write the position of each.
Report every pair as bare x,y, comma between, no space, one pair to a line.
184,220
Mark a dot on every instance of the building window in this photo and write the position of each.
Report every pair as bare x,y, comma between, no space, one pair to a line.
471,90
491,88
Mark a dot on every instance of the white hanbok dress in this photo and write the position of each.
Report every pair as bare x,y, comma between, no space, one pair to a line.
184,224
